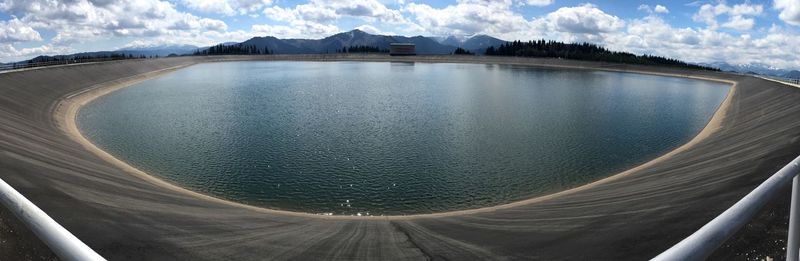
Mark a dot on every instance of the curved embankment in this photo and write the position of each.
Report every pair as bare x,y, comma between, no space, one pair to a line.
630,216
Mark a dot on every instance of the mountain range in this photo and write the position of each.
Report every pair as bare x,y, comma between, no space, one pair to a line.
332,44
794,74
160,50
754,68
474,44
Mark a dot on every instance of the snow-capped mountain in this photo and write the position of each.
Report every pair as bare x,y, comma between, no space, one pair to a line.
476,44
752,68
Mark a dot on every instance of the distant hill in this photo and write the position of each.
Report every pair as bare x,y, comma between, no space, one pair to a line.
148,51
160,50
752,68
476,44
84,55
334,43
331,44
795,74
451,40
479,43
278,46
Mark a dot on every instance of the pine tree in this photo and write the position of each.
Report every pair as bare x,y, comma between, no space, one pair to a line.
462,51
581,51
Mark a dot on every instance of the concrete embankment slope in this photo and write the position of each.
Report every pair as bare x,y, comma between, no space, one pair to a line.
633,216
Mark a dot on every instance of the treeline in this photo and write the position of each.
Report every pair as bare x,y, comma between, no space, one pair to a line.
239,49
362,49
583,51
460,50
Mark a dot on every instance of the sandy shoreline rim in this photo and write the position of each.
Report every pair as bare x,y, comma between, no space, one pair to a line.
67,108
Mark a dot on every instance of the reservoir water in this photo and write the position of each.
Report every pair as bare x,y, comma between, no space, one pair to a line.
393,138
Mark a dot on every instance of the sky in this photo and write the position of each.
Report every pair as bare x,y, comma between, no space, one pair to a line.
738,32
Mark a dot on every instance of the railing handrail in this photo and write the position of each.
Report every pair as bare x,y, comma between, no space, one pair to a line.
704,241
782,79
30,64
65,245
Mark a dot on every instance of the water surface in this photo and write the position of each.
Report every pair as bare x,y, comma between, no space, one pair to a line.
393,138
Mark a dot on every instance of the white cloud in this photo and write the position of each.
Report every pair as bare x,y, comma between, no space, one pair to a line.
468,18
298,29
538,2
183,38
367,9
373,30
708,14
650,10
14,30
648,35
736,15
305,12
83,20
329,10
8,53
316,18
160,22
211,6
746,9
790,11
304,21
87,21
497,18
227,7
739,23
584,19
188,22
652,35
652,32
661,9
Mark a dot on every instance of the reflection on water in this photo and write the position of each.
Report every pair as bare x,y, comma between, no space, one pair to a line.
393,138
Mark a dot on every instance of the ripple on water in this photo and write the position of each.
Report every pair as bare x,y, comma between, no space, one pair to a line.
351,138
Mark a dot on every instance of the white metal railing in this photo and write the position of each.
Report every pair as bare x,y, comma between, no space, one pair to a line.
65,245
703,242
784,79
697,246
24,65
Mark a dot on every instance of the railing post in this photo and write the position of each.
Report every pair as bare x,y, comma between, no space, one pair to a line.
793,242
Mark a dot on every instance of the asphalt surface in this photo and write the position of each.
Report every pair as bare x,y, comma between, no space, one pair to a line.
632,217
